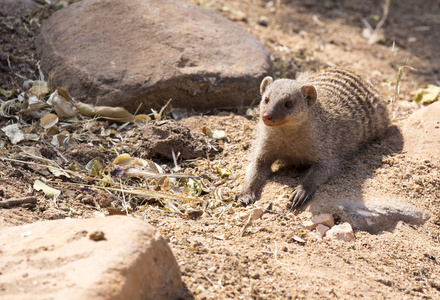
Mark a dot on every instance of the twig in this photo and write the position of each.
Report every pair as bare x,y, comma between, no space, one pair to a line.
246,225
366,24
176,167
138,191
225,209
207,278
282,265
317,21
399,73
123,197
56,150
386,10
12,70
18,201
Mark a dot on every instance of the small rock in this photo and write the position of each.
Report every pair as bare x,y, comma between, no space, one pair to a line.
322,229
309,225
97,236
313,236
298,239
262,20
255,214
342,232
256,276
435,284
385,281
54,214
324,219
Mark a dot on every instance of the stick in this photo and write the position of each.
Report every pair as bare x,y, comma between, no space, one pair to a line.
57,151
18,201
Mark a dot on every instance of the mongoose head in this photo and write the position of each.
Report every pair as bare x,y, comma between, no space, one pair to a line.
285,101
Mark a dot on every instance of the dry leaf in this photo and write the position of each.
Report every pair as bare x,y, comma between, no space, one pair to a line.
57,172
223,172
62,107
142,118
215,134
123,160
14,133
428,95
47,190
49,120
94,167
39,89
106,112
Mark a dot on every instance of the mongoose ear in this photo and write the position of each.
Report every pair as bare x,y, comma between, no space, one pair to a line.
310,94
266,81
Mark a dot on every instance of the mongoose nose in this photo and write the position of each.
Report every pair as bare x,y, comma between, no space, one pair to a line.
266,117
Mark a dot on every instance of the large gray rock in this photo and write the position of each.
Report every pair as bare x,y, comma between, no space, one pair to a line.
131,52
105,258
421,133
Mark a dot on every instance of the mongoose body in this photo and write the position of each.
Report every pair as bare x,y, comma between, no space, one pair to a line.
312,122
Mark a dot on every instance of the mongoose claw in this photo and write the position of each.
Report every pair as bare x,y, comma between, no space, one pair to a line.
299,197
245,199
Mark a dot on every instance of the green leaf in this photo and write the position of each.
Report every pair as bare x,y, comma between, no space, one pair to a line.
223,172
8,94
194,187
428,95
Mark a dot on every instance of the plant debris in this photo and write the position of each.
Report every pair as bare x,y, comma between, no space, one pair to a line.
427,95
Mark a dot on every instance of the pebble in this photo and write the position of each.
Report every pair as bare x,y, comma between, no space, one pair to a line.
256,214
309,225
342,232
263,21
324,219
322,229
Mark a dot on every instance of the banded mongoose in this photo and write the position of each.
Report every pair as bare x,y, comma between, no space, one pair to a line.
312,122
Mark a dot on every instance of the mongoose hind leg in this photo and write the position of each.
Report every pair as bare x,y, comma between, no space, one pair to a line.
316,175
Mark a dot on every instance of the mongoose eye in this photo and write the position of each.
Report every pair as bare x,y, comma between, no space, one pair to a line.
266,100
288,104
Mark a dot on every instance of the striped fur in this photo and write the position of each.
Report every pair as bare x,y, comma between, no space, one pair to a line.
348,112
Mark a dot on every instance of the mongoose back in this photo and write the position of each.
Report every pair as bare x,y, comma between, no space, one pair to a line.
312,122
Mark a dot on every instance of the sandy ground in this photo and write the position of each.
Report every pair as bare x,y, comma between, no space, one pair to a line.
221,257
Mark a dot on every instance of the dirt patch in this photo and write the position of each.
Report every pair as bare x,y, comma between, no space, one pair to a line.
168,137
220,255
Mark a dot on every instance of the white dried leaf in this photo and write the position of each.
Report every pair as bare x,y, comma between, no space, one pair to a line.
63,108
35,103
58,172
14,133
47,190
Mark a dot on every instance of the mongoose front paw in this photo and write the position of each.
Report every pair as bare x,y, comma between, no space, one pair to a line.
246,199
300,196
